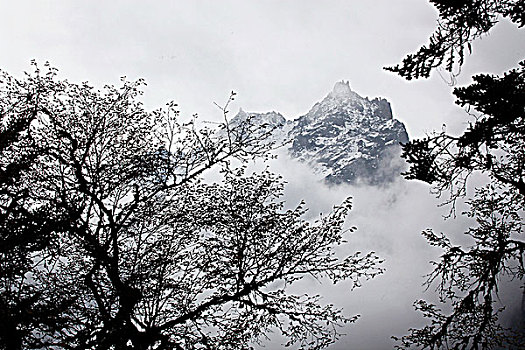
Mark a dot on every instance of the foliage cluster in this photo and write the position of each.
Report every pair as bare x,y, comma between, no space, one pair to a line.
460,22
468,275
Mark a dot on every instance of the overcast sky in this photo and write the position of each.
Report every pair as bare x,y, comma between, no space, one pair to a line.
277,55
282,56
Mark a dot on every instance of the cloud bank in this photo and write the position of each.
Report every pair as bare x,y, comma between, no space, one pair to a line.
389,221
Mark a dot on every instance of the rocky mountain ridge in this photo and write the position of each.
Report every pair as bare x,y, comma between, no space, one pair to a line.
346,138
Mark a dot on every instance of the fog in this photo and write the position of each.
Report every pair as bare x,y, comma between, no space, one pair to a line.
389,221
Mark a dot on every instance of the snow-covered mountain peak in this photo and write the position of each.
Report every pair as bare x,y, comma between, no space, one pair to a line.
345,137
269,118
341,94
268,122
341,90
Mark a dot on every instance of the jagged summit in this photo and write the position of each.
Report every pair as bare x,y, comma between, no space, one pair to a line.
345,137
268,118
266,122
341,89
341,93
342,100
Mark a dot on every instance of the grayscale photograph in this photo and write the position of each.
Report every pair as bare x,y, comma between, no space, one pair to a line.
262,174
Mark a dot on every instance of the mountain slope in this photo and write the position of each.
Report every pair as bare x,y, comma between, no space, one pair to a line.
345,137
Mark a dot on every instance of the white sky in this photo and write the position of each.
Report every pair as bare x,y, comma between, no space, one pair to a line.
283,56
277,55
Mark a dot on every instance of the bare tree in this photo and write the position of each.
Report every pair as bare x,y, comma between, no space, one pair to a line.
140,252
